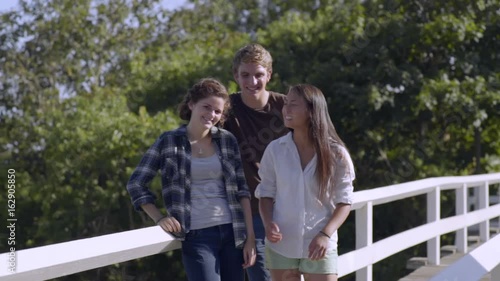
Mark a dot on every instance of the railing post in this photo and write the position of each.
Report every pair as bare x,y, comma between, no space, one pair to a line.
364,237
461,209
434,214
484,227
498,202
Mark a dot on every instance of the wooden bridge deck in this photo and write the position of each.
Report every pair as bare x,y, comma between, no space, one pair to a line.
426,272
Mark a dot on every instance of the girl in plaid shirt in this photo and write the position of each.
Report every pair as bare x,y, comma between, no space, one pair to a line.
203,188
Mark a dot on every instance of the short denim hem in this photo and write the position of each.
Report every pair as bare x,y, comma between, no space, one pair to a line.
327,265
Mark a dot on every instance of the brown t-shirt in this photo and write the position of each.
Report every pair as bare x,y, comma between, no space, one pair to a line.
254,130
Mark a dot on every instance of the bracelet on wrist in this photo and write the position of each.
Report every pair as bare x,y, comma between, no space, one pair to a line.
322,232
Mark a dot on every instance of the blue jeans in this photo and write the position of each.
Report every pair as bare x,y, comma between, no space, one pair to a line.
258,272
209,254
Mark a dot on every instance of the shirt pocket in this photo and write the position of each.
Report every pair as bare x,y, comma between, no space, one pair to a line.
171,165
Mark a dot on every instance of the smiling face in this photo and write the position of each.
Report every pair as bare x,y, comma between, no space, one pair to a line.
206,112
252,78
295,112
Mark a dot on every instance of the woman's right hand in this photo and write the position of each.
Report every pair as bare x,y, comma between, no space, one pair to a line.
170,224
273,232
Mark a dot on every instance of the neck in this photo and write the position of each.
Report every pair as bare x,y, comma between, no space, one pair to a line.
196,134
301,138
256,101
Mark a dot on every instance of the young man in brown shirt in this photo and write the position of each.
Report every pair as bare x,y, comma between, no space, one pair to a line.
255,119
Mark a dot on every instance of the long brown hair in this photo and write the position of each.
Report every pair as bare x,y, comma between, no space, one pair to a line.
322,133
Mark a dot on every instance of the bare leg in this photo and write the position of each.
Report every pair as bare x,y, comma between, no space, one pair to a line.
285,274
320,277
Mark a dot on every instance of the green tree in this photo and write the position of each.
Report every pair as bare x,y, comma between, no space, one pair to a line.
412,86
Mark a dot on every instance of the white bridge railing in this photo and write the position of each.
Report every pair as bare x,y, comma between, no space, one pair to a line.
47,262
368,253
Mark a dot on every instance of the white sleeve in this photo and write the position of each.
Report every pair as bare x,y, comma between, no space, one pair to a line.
344,176
267,174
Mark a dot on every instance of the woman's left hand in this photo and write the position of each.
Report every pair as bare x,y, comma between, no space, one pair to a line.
249,253
318,247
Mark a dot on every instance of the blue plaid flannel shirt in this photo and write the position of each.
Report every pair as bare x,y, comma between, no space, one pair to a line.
171,154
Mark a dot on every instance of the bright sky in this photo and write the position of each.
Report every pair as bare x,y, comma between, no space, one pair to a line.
6,5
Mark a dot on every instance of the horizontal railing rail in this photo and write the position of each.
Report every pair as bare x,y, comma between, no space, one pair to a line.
360,258
391,193
51,261
367,253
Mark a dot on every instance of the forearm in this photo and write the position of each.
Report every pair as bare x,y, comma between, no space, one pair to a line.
247,213
338,218
152,211
266,206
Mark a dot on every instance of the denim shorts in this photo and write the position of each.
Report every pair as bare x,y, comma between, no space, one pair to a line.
327,265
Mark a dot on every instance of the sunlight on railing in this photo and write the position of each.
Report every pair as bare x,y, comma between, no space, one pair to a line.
67,258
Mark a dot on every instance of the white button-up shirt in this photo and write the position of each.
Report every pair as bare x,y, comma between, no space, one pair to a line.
299,213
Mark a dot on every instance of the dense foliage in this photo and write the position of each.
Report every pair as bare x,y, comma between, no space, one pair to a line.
86,86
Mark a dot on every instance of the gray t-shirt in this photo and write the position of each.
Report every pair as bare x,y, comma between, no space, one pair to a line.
209,206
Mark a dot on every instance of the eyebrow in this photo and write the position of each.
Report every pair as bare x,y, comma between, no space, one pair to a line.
215,108
256,72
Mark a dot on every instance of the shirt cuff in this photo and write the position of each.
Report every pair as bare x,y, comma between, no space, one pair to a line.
141,201
243,193
261,191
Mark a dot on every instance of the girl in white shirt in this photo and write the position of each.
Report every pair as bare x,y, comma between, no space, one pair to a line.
306,190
